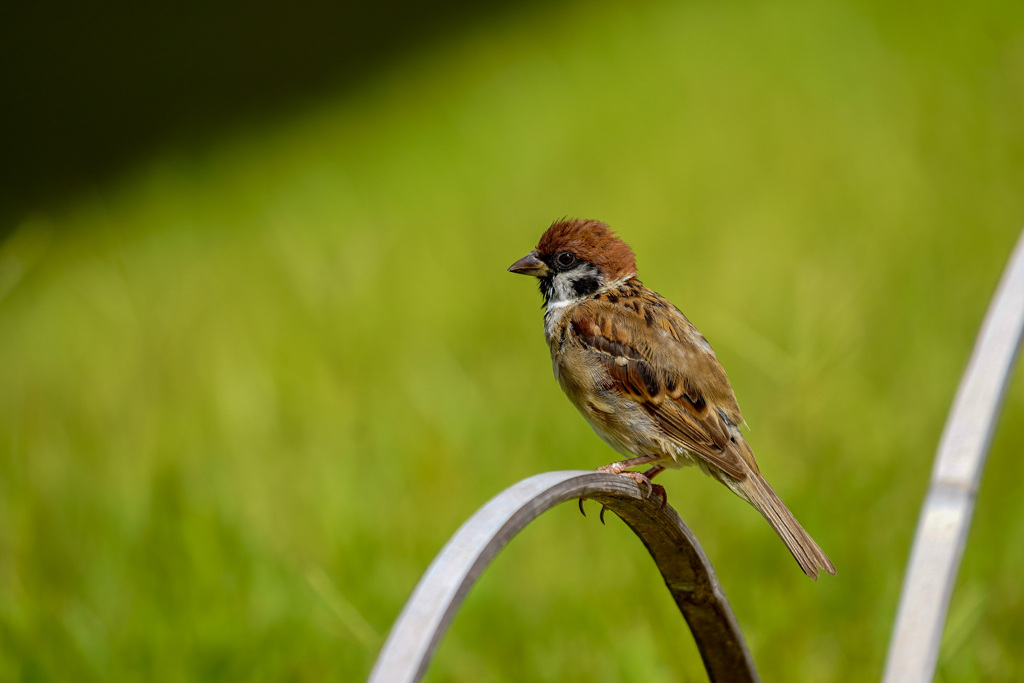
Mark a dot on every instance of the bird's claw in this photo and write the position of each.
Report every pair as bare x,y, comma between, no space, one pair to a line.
648,487
642,479
600,516
660,491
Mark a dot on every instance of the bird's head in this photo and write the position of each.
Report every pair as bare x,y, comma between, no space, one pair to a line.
576,258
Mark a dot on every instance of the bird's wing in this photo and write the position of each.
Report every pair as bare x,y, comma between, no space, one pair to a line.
658,358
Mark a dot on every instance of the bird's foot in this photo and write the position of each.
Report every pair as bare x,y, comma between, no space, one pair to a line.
649,487
655,488
643,479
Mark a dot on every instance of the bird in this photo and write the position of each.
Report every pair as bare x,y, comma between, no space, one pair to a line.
643,376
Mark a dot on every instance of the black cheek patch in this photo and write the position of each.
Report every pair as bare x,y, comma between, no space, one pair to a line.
586,285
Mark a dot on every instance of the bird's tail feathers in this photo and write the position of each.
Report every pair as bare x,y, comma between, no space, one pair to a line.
806,552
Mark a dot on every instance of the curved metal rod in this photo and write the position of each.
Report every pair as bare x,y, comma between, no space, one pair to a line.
687,572
946,515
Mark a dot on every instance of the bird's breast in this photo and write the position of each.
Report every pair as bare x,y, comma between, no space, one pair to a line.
586,383
614,415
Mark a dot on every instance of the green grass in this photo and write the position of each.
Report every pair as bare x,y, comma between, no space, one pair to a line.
247,393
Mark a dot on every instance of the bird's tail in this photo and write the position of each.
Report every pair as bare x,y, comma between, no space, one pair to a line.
806,552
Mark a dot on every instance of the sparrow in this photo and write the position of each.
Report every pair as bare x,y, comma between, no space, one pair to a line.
643,376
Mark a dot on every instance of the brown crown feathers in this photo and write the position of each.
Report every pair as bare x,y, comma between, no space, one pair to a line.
591,241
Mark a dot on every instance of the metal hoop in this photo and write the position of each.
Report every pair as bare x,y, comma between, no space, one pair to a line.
947,511
687,572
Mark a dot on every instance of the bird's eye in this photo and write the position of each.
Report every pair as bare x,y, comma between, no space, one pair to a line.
566,259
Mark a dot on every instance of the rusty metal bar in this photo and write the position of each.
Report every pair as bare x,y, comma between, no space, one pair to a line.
688,575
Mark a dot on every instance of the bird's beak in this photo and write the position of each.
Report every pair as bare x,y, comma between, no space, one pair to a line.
530,265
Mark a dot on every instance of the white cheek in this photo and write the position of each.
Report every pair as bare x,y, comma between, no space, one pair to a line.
563,293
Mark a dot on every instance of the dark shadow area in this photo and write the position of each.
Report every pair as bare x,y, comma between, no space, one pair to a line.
89,88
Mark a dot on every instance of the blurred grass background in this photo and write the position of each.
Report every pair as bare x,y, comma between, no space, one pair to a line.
250,388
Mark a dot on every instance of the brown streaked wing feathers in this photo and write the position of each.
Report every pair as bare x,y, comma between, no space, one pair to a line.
664,382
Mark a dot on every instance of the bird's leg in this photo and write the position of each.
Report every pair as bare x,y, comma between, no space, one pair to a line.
654,471
620,467
642,479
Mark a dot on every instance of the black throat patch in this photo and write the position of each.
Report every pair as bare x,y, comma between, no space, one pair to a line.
547,289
